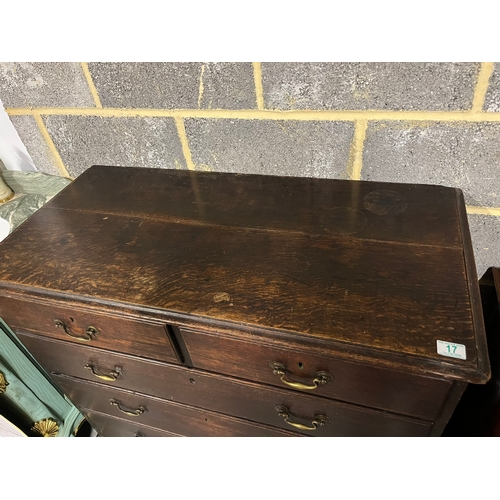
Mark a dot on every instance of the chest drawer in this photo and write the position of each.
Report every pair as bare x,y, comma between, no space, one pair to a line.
140,337
118,427
283,414
250,401
153,412
374,387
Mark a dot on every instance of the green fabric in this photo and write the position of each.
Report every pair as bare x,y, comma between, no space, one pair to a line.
32,190
30,393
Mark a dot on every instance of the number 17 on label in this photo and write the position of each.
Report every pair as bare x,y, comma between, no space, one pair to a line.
451,349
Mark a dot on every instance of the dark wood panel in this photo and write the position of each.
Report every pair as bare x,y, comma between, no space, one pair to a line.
124,335
483,360
448,408
366,210
169,416
107,426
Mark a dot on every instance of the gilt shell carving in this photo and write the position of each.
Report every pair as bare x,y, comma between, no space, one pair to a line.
3,383
46,428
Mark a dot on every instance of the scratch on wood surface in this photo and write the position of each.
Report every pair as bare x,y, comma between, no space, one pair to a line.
222,297
295,279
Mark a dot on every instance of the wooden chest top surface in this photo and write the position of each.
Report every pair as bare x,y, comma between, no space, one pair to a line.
384,266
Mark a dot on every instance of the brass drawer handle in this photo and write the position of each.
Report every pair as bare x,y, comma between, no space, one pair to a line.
319,420
132,413
110,377
89,334
321,378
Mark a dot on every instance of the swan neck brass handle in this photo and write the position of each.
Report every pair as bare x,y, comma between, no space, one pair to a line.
321,378
89,334
132,413
111,376
319,420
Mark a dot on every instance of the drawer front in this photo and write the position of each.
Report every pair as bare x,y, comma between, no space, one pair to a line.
219,393
107,426
169,416
139,337
374,387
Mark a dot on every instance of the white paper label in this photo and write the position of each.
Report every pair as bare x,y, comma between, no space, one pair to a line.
450,349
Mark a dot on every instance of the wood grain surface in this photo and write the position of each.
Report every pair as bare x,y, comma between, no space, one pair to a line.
365,264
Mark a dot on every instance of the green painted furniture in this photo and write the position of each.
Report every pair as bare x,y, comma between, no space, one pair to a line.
28,397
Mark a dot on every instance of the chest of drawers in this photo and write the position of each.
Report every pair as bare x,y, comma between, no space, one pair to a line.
182,303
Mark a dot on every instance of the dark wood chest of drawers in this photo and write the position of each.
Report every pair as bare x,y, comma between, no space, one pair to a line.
184,303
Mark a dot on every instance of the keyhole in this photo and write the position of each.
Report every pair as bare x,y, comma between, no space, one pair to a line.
301,366
72,320
192,380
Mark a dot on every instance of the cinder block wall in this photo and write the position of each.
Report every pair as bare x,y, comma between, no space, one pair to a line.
433,123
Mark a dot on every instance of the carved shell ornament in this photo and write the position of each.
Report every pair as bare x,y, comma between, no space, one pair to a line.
46,428
3,383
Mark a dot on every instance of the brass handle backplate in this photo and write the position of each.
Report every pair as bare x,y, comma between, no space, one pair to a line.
319,420
133,413
321,378
111,376
89,334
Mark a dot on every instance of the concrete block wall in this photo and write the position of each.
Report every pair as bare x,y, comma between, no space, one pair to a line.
431,123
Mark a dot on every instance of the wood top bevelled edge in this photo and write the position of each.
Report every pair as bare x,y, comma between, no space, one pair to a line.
52,204
249,175
483,361
254,333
